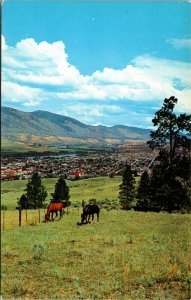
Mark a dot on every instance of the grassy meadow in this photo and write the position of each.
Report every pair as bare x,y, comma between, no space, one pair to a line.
127,255
99,188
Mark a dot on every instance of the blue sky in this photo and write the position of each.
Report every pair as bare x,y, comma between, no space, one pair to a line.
99,62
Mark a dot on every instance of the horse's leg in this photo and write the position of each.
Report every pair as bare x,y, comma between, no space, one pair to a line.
92,217
97,217
87,219
52,219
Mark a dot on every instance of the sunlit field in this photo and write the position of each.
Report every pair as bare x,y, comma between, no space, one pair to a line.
99,188
126,255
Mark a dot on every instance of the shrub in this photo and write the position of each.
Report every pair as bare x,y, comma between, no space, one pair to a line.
38,250
109,204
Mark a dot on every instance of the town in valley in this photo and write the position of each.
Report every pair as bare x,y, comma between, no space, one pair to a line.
78,164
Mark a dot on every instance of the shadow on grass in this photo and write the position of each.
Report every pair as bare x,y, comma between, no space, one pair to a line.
82,224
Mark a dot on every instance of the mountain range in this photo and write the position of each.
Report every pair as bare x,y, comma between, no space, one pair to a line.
49,128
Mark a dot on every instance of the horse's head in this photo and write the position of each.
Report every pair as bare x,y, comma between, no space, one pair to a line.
47,217
83,217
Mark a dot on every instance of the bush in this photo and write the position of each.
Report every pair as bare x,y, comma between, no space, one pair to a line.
109,204
38,250
75,204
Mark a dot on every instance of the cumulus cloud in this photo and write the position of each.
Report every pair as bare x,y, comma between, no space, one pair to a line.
180,43
88,109
145,78
92,113
3,43
33,73
20,94
43,63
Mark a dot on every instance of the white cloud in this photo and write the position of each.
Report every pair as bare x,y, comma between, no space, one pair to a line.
83,109
16,93
3,43
36,72
180,43
43,63
147,78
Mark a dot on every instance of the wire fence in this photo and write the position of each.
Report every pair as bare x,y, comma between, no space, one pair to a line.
17,218
11,219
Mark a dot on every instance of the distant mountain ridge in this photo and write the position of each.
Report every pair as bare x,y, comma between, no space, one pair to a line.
43,123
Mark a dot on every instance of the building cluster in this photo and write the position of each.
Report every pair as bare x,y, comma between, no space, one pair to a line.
74,167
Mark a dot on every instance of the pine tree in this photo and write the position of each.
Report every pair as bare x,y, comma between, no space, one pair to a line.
172,132
23,202
61,192
126,189
167,192
35,192
169,186
143,203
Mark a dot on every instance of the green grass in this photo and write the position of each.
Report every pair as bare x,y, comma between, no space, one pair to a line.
127,255
99,188
18,147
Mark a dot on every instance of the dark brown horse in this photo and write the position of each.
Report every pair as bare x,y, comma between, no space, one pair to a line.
89,211
54,208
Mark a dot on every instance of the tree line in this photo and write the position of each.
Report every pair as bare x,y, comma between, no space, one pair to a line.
35,193
165,186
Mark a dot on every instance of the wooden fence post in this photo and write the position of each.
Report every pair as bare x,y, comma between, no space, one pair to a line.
3,219
3,208
20,217
39,215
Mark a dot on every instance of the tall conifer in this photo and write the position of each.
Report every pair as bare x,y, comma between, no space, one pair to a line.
61,192
126,189
143,202
35,191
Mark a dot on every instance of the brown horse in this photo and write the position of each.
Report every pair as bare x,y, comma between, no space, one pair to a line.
52,208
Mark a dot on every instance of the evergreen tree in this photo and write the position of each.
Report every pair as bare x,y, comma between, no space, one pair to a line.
183,169
143,203
61,192
168,190
168,196
126,189
35,192
23,202
172,130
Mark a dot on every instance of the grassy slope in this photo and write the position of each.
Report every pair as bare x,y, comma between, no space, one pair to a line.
20,147
127,255
99,188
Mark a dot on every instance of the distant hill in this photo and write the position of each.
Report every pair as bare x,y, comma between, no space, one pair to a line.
49,127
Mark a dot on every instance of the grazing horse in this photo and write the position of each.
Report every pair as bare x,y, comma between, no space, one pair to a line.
54,207
90,210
